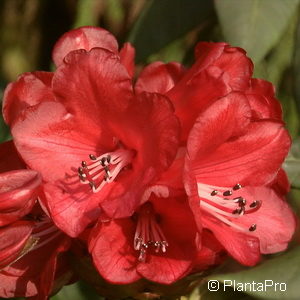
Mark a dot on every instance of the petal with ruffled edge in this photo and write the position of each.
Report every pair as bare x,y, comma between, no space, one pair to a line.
29,89
231,60
18,193
86,38
261,96
193,96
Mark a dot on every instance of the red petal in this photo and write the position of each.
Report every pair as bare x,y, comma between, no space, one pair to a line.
49,142
252,159
29,90
159,77
231,60
86,37
244,248
13,239
237,66
261,96
191,97
275,220
127,54
113,252
207,53
18,193
94,86
72,208
226,118
9,158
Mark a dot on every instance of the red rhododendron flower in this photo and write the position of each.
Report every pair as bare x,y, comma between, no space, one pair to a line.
161,178
228,178
85,120
161,235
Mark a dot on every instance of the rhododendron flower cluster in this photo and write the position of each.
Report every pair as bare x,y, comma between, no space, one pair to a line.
157,175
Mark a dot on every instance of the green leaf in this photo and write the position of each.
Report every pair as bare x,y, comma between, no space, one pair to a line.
292,164
77,291
162,22
255,25
284,269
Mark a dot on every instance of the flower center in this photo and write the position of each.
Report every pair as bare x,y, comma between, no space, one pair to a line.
104,169
148,233
226,205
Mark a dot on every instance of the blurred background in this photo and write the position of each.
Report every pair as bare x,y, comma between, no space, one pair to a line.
167,30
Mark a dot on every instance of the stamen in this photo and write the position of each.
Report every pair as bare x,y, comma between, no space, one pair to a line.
227,209
237,187
148,233
227,193
104,169
92,157
214,192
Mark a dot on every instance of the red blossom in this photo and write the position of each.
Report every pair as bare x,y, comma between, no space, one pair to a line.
92,139
164,174
161,235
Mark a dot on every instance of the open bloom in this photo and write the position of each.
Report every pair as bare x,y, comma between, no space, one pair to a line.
161,235
91,138
229,180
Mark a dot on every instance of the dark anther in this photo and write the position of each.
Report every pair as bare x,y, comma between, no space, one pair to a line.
252,227
83,163
241,201
254,203
80,171
227,193
108,158
82,177
237,187
241,210
214,193
236,211
103,160
92,157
